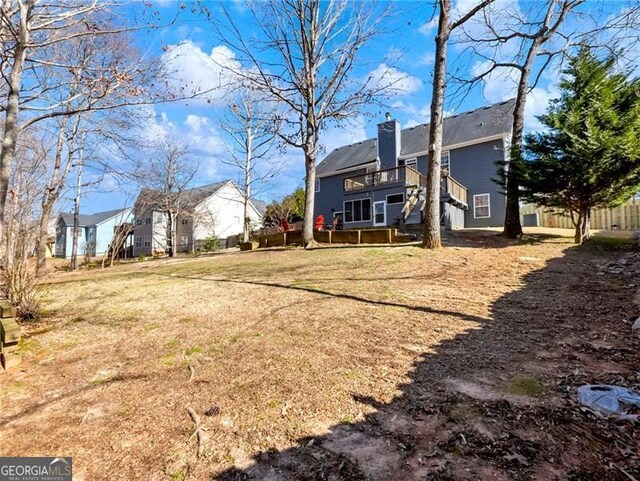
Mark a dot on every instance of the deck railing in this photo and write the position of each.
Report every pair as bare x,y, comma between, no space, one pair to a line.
407,176
454,188
397,175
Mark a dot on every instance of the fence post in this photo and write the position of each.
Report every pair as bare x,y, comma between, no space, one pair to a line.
330,236
358,236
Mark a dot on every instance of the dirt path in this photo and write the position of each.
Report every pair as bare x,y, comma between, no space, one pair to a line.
341,364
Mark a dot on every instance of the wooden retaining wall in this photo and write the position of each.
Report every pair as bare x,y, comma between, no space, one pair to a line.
9,335
356,236
625,217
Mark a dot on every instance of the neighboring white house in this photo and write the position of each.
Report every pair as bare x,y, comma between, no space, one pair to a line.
96,231
213,210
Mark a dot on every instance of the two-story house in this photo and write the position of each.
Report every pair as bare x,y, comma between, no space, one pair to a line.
381,181
213,210
96,232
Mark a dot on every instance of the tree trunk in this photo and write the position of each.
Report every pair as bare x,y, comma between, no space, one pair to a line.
247,191
11,129
582,226
432,208
512,224
43,236
170,236
310,188
76,220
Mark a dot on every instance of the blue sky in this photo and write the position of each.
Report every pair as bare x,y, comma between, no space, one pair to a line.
403,51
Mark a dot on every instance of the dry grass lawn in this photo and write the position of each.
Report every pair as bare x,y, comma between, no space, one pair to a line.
382,363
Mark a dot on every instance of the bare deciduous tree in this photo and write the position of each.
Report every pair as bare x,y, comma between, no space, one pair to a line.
165,177
304,58
250,137
511,42
432,202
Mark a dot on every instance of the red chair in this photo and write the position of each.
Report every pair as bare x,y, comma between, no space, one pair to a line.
319,222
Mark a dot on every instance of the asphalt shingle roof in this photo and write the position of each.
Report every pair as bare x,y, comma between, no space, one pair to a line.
91,219
149,198
476,124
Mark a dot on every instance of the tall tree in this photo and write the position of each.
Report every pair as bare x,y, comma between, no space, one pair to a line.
522,43
165,178
250,138
40,41
446,26
304,57
589,156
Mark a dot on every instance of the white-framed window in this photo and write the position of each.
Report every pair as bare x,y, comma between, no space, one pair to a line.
184,241
481,206
139,241
445,161
158,217
147,219
147,241
358,210
317,185
395,198
413,163
184,221
138,221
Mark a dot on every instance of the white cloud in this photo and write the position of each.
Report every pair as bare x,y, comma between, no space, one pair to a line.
338,136
537,103
427,58
192,71
394,81
502,84
427,27
416,114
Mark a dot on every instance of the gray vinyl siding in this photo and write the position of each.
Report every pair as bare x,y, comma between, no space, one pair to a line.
332,196
474,167
142,231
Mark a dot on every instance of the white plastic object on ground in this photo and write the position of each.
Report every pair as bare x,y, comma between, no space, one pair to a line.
609,400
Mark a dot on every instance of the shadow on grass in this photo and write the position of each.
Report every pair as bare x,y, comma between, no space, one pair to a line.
459,418
40,404
324,292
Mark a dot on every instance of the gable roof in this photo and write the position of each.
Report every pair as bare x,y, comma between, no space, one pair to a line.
151,199
85,220
259,205
480,123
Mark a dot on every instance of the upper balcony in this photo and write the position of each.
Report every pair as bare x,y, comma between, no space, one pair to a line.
451,190
402,175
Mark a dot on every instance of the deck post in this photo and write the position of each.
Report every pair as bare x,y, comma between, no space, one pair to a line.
359,237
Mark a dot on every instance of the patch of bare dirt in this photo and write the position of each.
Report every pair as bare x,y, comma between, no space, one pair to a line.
333,364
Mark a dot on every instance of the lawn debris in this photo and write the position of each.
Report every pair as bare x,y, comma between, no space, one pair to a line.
608,401
198,433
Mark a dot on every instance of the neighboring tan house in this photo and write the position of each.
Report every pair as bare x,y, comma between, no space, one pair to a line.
381,181
96,232
214,210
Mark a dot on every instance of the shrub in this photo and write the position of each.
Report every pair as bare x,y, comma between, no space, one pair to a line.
211,244
22,287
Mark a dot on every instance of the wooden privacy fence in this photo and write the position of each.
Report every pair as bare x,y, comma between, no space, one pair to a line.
625,217
356,236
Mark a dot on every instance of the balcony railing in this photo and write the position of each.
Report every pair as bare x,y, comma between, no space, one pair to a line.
408,177
397,175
